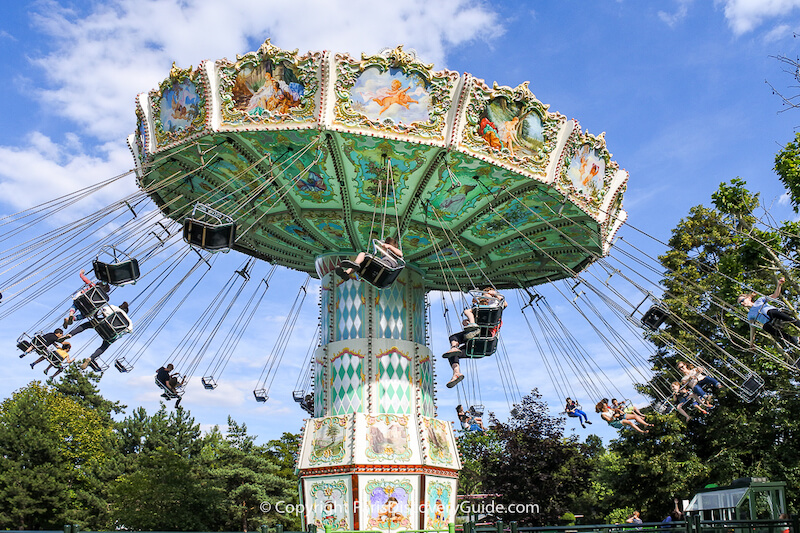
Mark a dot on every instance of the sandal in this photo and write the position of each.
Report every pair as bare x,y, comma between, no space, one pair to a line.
455,381
342,274
350,264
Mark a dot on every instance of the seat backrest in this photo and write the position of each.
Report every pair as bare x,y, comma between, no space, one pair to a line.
654,317
488,316
377,273
112,327
211,237
480,347
120,273
90,300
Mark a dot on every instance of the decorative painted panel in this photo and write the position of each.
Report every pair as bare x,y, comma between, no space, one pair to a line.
440,502
268,86
328,440
390,504
394,382
388,438
347,382
328,503
392,311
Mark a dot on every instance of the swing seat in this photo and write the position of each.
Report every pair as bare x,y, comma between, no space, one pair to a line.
120,273
752,387
298,395
488,317
654,317
39,345
488,310
208,382
123,366
211,237
90,300
24,342
375,272
112,327
261,395
481,346
98,367
476,410
306,402
663,407
169,394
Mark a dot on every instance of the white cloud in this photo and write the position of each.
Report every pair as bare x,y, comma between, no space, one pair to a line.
101,61
672,19
745,15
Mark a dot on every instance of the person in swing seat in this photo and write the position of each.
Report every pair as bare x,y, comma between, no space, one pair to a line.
468,422
57,336
760,310
457,342
100,315
170,382
573,410
390,253
73,314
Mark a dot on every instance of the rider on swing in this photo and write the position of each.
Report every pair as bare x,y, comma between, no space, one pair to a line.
760,310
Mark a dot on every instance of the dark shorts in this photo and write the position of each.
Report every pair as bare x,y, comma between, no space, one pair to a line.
458,337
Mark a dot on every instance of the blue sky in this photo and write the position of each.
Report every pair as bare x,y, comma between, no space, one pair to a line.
678,87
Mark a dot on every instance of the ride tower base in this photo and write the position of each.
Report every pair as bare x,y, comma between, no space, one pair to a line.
375,457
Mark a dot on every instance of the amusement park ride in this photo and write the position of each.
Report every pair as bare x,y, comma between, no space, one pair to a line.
305,161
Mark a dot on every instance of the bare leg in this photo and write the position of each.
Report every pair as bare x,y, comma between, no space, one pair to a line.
470,315
637,418
358,260
37,361
633,425
684,413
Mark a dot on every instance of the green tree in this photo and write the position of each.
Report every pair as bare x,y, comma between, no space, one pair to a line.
51,448
248,475
716,254
164,492
530,461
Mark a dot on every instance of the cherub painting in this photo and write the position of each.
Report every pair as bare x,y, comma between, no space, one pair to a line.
586,171
392,94
179,106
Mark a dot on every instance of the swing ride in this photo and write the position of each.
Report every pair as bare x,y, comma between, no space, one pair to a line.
309,161
306,161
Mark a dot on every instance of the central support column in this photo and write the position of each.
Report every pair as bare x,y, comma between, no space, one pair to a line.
374,456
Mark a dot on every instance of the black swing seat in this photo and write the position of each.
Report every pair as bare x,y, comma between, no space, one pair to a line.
376,271
120,273
751,387
90,300
169,394
24,342
113,326
208,382
261,395
298,395
209,229
476,410
307,404
482,345
488,310
122,365
654,317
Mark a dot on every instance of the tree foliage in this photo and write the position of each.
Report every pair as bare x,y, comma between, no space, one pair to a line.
528,461
716,254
